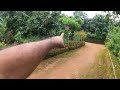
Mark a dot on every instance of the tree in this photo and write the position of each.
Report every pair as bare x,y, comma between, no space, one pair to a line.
71,23
80,14
97,27
112,41
82,18
29,24
86,25
113,14
2,28
116,12
79,17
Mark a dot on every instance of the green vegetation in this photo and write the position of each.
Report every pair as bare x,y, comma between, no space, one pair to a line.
81,35
2,44
24,26
18,27
113,41
97,27
71,25
116,64
30,24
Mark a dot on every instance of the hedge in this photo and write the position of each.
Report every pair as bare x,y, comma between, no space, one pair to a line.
95,41
68,46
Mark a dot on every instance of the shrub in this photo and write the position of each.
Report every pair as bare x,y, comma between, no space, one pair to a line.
18,37
2,44
91,35
113,41
80,35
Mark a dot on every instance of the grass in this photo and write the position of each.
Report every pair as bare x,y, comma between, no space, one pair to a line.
117,65
102,68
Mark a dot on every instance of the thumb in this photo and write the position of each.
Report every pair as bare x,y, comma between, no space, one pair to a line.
62,35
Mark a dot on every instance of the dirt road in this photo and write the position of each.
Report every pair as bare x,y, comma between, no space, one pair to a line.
70,65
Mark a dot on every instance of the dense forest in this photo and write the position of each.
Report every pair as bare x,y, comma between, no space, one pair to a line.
18,27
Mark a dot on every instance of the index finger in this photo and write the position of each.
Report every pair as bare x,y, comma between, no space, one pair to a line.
62,35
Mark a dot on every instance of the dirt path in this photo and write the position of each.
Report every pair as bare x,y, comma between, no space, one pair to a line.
72,65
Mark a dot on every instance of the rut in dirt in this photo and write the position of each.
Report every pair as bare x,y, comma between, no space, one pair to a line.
71,66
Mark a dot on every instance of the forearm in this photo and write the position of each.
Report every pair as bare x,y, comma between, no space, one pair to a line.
19,61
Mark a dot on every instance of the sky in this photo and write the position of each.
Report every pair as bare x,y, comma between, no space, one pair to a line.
90,14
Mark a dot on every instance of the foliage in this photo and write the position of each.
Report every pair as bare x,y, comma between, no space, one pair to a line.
97,27
116,12
81,35
18,37
71,24
80,16
113,41
68,21
2,29
91,35
2,44
24,26
31,23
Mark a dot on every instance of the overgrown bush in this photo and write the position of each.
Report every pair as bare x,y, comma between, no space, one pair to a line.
81,35
91,35
113,41
2,29
71,24
2,44
18,37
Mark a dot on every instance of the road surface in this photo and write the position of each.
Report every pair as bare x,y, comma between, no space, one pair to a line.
73,65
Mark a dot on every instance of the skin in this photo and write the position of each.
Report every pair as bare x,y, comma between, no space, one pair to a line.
18,62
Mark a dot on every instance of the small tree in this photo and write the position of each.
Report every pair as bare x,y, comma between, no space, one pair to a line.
2,29
80,35
71,23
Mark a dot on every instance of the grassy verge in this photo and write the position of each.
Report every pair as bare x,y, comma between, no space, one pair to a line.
117,66
102,68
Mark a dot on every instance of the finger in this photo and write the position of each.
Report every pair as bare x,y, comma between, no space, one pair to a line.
62,35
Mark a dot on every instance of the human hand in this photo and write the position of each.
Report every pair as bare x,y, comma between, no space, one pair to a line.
58,41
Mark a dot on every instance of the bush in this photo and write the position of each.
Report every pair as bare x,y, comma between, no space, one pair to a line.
2,29
113,41
2,44
18,37
91,37
71,24
80,35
